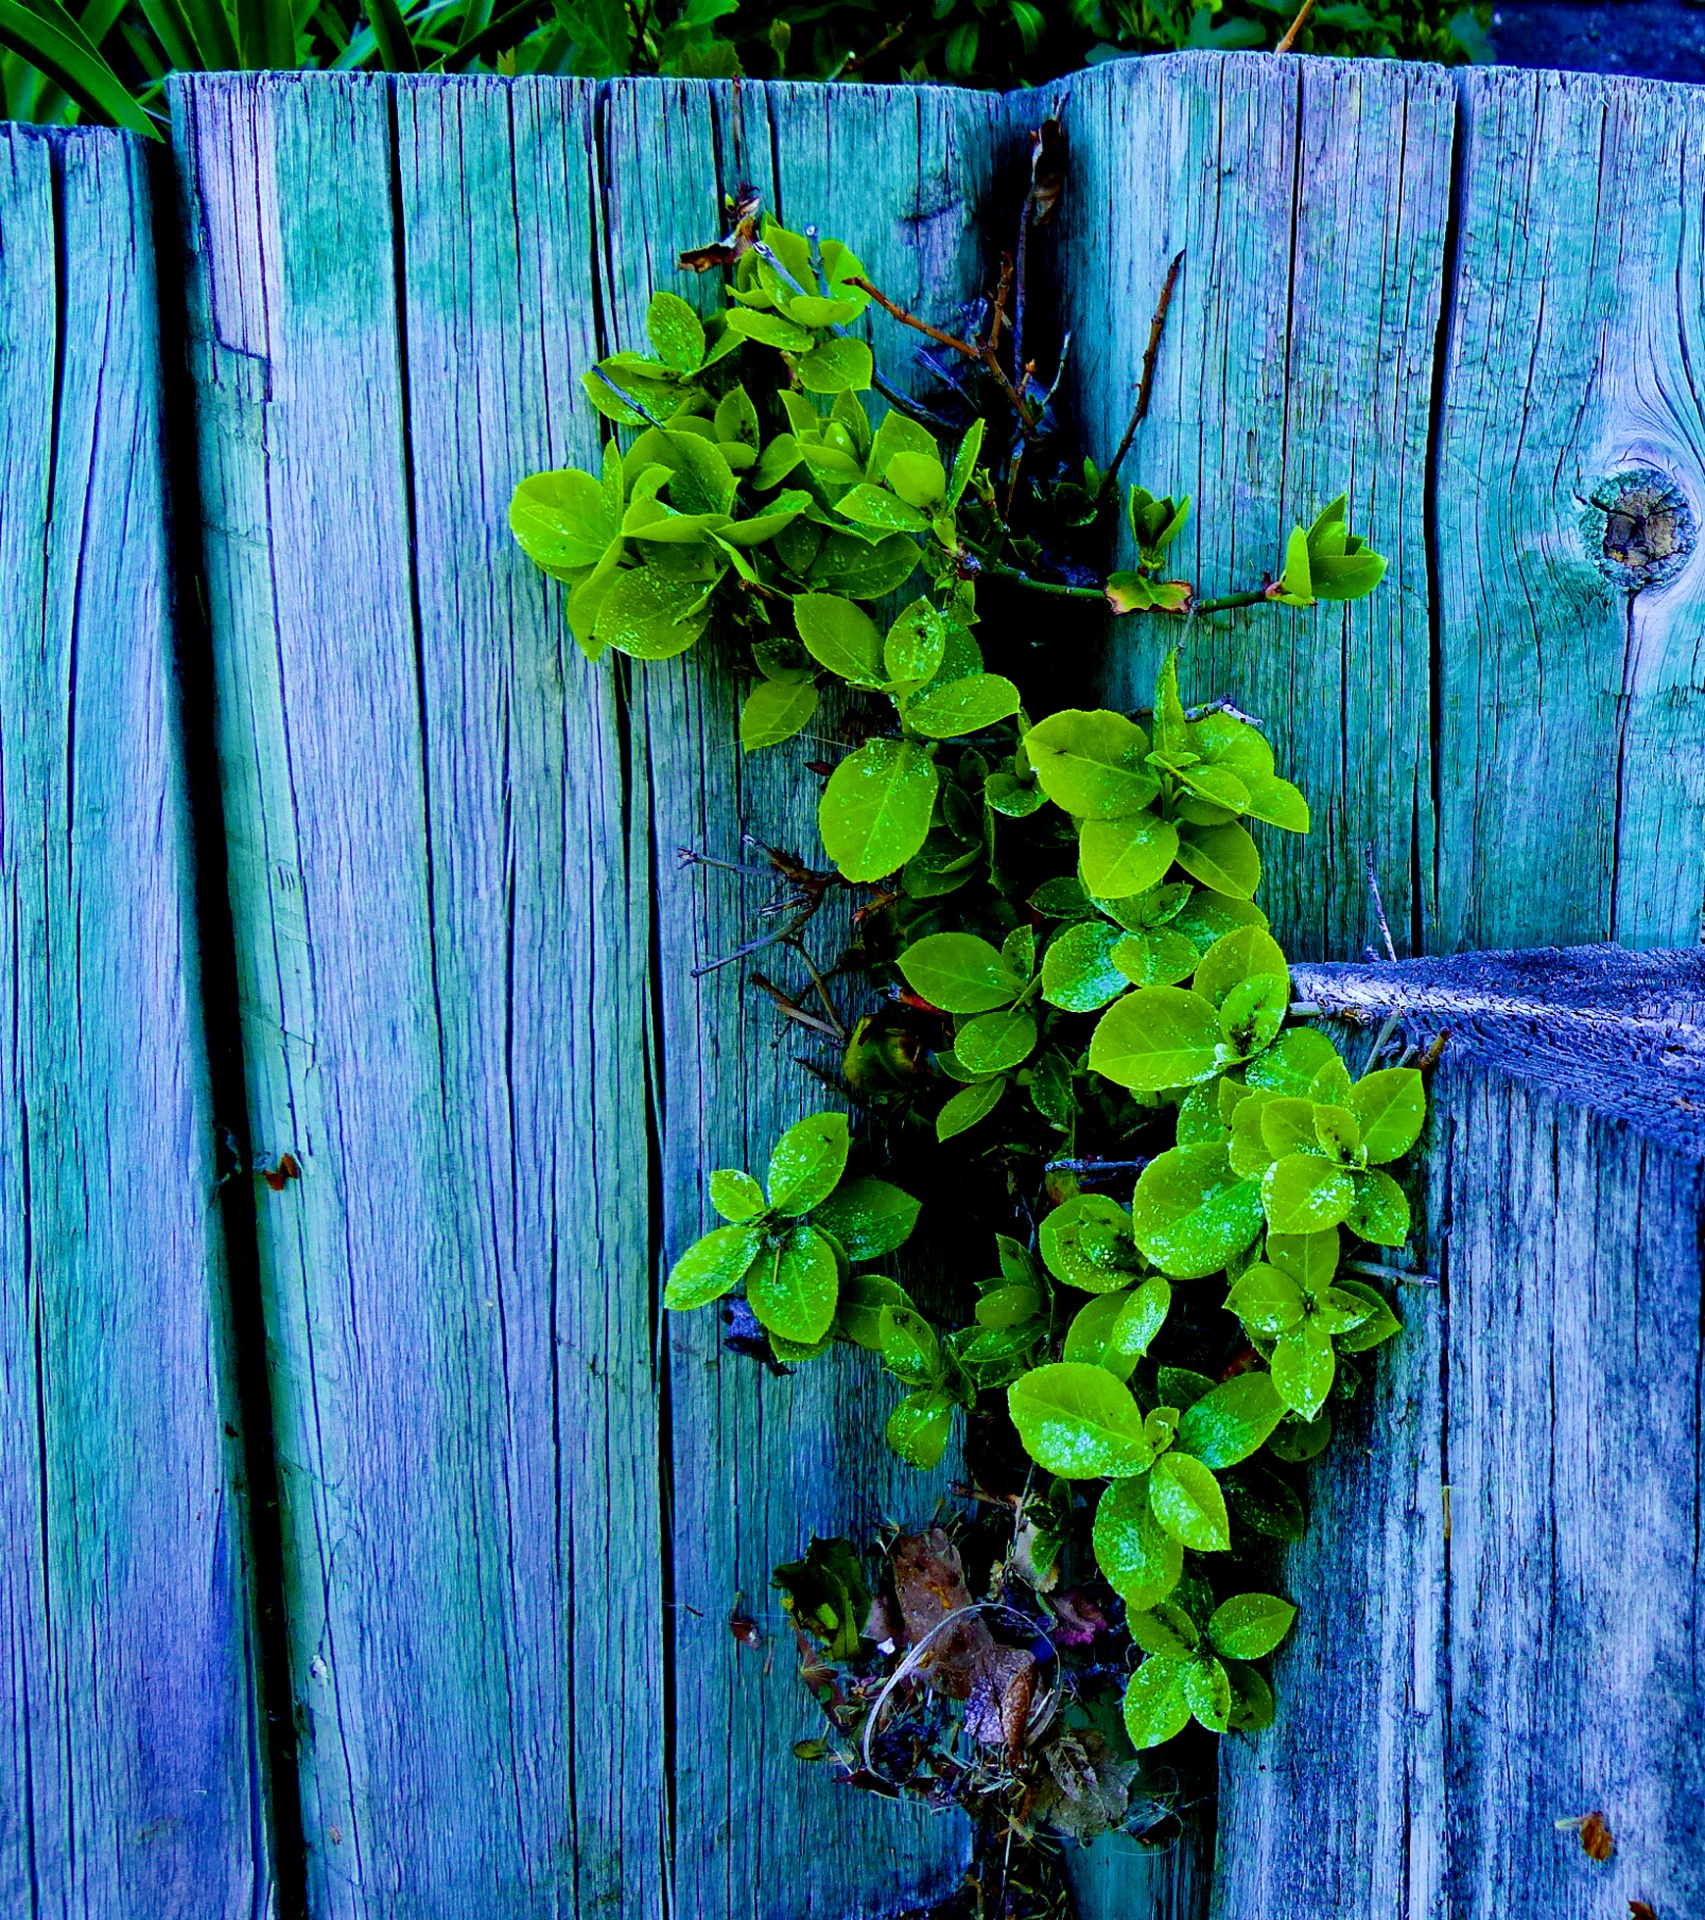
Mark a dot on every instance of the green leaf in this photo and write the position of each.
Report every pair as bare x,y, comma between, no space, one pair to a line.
916,641
868,1217
1191,1213
735,1195
1379,1209
1200,1123
1380,1324
826,1595
1223,858
1253,1013
966,705
737,419
1265,1503
1119,858
875,812
45,35
711,1266
1299,1440
837,366
1086,1242
775,711
1091,1329
1310,1259
651,614
1277,802
1338,1132
1181,1387
995,1042
1079,1422
1208,1692
1244,954
920,1426
1265,1300
910,1347
959,973
1139,1558
1391,1105
1166,1630
561,521
1252,1698
1155,1708
1078,973
1304,1063
1287,1125
1303,1367
858,1310
1232,1421
847,563
806,1165
771,330
967,1107
1187,1502
792,1287
841,637
1295,586
1095,765
918,478
1303,1194
1011,1306
870,506
964,463
1155,1038
1140,1319
676,332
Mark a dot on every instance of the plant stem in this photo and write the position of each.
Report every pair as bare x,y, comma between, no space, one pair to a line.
1295,27
1145,385
1252,599
1042,586
984,356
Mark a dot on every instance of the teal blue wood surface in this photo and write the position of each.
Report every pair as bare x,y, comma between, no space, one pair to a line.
1571,772
131,1770
1311,199
441,940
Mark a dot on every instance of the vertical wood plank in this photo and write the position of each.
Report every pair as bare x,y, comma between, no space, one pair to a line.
1572,767
1456,1687
441,942
131,1765
1311,199
760,1463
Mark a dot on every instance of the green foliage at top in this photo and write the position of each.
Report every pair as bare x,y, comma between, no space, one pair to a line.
105,62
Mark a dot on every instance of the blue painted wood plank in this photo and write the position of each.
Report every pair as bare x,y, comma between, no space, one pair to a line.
441,939
1311,198
1572,738
760,1463
131,1764
1473,1667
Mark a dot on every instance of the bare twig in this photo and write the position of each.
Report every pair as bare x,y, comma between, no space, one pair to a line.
1379,905
1095,1166
822,990
984,356
791,1008
1146,384
1296,27
992,344
1385,1034
1222,705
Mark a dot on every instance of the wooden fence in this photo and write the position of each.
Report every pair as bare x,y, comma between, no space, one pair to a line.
479,1564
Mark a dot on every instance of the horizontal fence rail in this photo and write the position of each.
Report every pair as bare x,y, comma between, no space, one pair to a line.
516,1503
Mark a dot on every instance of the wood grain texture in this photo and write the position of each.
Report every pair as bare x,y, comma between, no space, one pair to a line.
1569,705
441,939
1550,1663
131,1768
760,1463
1311,199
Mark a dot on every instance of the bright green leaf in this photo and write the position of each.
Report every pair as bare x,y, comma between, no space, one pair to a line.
875,812
1079,1422
806,1165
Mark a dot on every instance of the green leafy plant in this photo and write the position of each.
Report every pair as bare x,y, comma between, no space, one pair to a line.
1089,1049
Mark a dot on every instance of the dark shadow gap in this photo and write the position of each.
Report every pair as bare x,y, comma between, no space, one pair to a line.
215,934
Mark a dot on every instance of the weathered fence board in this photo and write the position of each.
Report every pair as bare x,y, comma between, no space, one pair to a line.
1311,201
441,992
760,1463
131,1768
1503,1578
1568,701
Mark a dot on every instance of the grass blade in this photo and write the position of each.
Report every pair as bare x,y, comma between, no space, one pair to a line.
45,35
390,30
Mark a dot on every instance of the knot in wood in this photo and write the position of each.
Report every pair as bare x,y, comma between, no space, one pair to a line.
1639,529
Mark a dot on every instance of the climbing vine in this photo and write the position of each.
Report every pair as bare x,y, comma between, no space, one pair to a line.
1085,1048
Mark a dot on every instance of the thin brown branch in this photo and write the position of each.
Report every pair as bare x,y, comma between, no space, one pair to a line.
1379,904
1296,27
822,989
1145,385
993,343
792,1010
982,355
